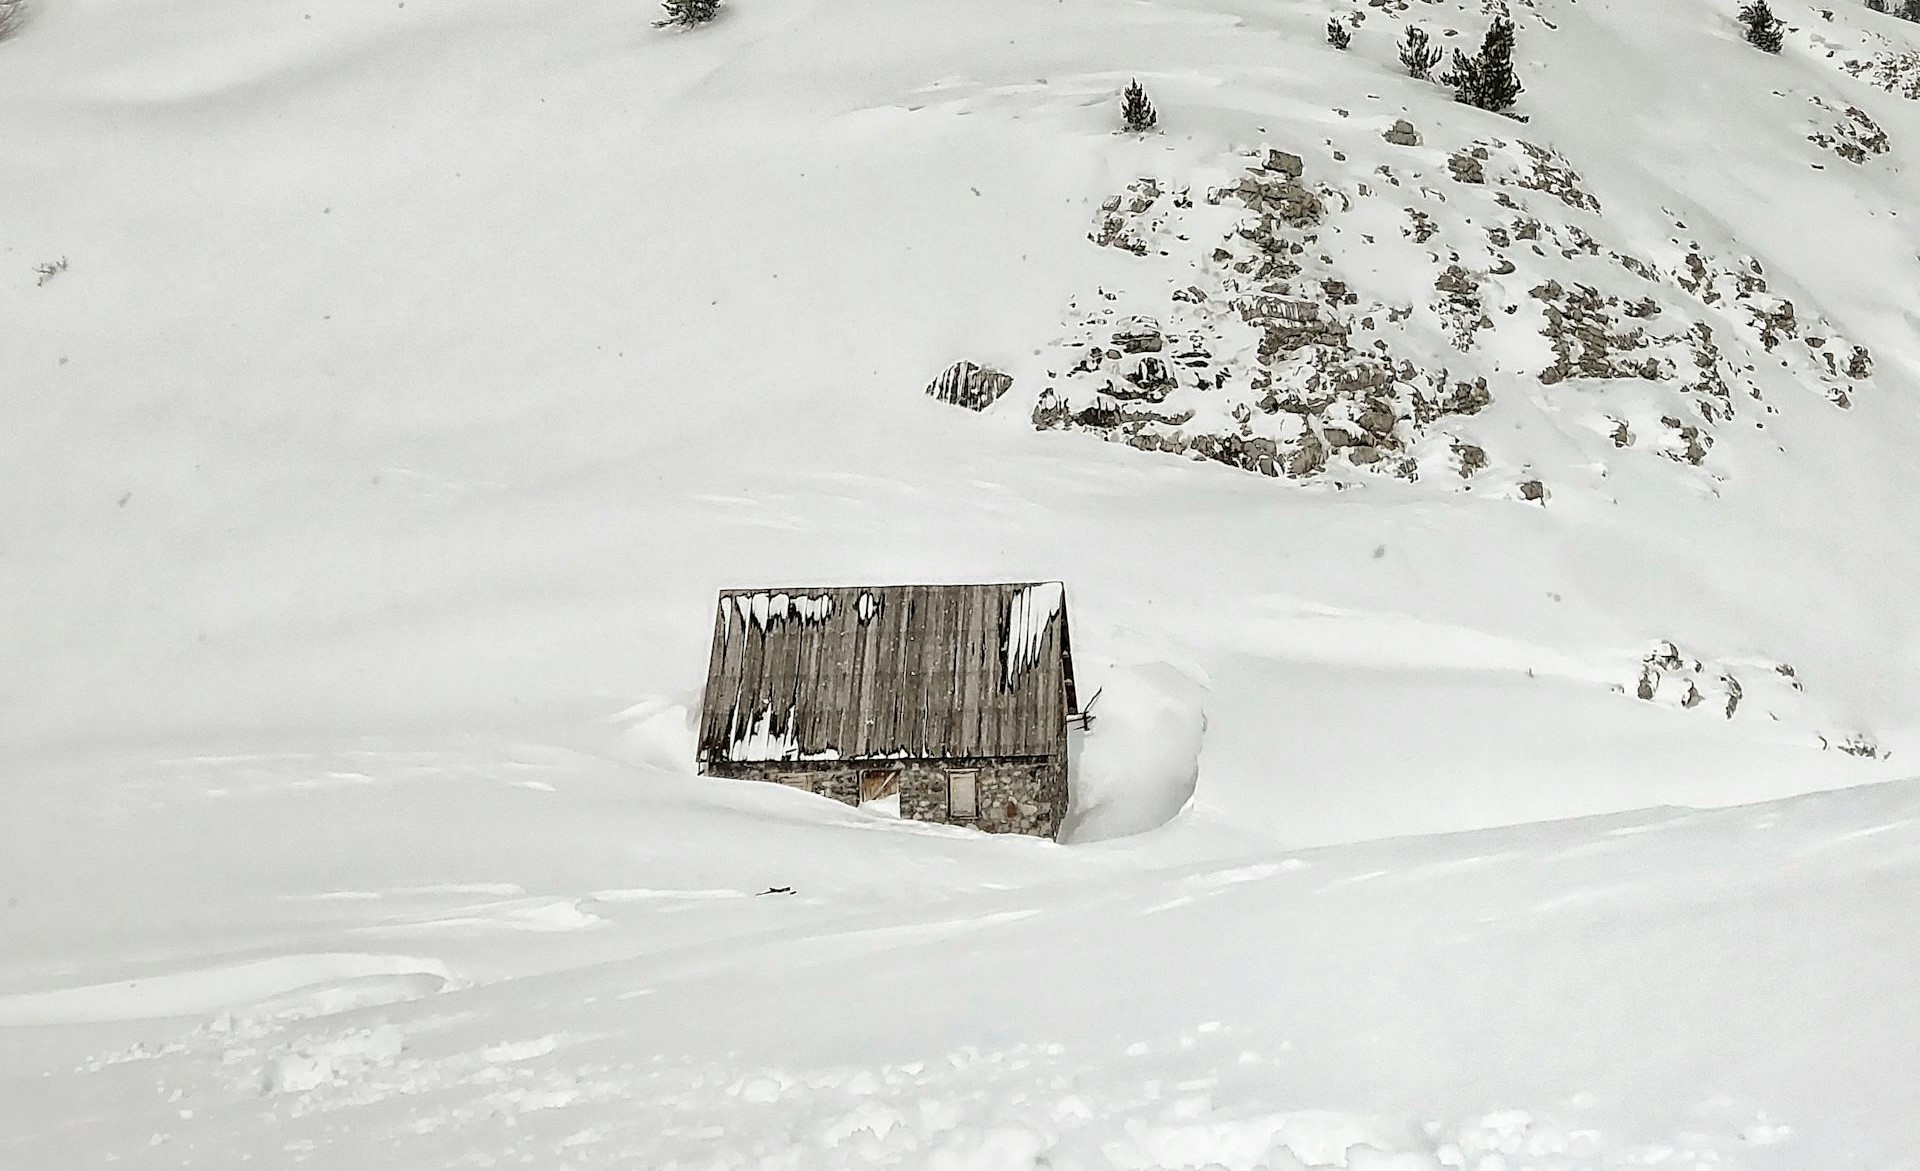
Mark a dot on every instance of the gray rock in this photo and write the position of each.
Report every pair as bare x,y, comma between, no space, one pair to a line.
1290,165
1402,133
1139,335
1468,168
974,387
1307,459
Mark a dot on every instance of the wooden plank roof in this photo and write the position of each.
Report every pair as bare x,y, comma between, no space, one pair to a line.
888,672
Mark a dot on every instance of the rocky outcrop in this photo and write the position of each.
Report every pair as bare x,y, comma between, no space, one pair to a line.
1276,342
974,387
1853,135
1896,72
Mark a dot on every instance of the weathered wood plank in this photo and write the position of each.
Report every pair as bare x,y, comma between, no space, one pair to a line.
926,676
867,685
719,679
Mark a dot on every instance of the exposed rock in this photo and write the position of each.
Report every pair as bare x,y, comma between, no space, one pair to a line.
1855,136
1894,71
965,384
1402,133
1856,744
1533,490
1139,335
1267,337
1467,167
1290,165
1672,677
1308,458
1552,174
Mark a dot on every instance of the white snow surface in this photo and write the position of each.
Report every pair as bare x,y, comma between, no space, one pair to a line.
416,374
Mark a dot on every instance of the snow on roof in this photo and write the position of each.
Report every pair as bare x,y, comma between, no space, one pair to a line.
888,672
1029,615
765,607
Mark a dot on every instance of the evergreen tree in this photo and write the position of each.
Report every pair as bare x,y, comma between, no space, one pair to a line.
688,13
1417,55
1337,34
1136,109
1877,5
1487,79
1764,30
1911,10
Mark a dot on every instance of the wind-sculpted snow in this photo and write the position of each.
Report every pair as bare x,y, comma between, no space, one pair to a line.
782,985
389,388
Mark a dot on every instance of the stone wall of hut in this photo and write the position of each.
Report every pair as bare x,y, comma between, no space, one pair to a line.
1018,795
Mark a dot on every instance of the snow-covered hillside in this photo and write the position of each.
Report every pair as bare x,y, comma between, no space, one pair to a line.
389,387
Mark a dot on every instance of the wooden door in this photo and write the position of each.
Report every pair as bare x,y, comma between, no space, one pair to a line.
963,794
879,784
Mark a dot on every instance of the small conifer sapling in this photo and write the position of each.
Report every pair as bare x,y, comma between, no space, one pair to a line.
1417,54
1487,79
1337,34
688,13
1136,110
1764,29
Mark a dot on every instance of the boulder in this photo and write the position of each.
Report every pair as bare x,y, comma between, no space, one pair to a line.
1402,133
1290,165
966,384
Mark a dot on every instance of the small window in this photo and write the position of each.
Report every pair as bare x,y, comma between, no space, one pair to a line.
963,794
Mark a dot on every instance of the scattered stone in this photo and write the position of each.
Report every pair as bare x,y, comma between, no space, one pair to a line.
1855,136
1857,744
1534,491
1402,133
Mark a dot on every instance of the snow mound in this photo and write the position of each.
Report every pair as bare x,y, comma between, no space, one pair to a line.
657,732
1139,761
310,985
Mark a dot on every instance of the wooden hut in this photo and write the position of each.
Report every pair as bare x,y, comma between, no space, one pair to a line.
954,697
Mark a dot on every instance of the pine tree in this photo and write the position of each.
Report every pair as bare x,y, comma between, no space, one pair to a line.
1417,55
1136,109
1910,10
1487,79
1764,30
1337,34
688,13
1877,5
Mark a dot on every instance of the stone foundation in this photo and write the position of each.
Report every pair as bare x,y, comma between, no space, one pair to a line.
1014,795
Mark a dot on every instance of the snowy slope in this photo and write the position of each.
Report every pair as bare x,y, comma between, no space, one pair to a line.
424,958
418,372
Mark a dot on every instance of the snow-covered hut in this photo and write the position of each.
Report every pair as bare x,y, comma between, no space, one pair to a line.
953,697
